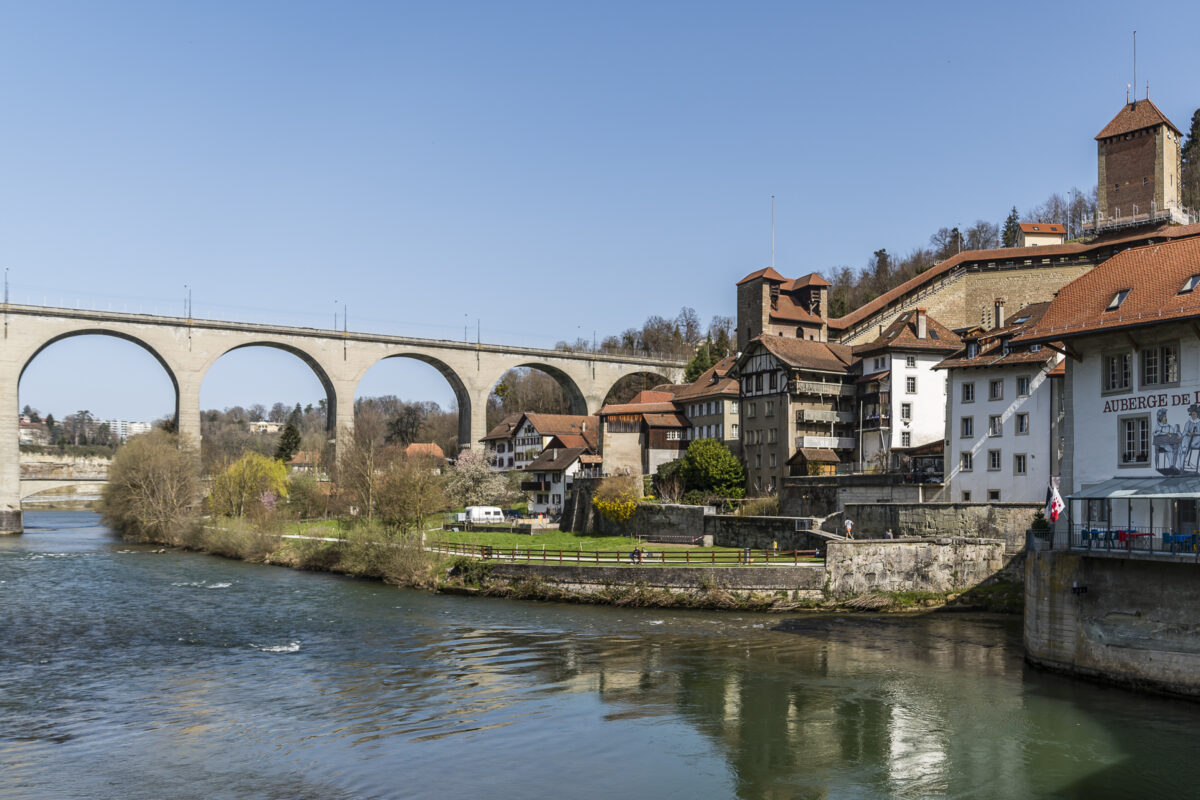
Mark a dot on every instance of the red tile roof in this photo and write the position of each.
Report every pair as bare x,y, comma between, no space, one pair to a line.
811,279
637,408
790,311
768,274
808,354
991,344
1154,276
672,420
545,424
1134,117
424,449
1167,232
1042,227
714,381
1059,369
902,335
506,428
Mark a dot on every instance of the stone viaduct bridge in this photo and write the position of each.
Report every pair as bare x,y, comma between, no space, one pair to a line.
186,348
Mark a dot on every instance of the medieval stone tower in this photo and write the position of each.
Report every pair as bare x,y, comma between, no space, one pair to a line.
1138,169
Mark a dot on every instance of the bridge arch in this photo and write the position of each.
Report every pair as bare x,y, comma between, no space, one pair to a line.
311,361
114,333
629,384
462,395
576,401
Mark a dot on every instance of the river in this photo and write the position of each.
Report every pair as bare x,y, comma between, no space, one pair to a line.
126,673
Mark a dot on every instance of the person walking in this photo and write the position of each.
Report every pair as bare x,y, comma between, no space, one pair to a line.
849,528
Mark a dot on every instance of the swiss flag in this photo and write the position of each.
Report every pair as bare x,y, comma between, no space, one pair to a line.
1054,503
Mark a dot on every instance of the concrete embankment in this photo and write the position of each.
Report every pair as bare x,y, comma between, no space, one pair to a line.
1116,617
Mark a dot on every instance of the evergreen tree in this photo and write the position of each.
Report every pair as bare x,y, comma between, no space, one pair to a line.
700,363
721,347
709,467
289,443
1012,229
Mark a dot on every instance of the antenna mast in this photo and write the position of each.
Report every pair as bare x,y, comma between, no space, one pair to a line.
772,231
1135,67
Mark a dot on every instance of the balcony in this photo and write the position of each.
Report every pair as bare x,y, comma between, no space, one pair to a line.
535,486
822,389
826,442
873,422
813,415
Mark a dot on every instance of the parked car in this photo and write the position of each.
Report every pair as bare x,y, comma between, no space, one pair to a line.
513,513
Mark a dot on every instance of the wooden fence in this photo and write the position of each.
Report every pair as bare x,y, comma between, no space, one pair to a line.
647,557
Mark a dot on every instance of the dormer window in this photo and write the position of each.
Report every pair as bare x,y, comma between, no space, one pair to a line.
1190,284
1020,320
972,349
1117,299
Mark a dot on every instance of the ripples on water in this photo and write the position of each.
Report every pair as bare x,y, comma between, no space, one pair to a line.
126,674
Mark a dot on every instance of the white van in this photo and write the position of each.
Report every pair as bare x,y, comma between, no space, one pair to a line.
486,515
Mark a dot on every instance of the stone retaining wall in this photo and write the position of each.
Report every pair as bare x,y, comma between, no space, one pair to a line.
910,565
800,582
1006,521
1134,625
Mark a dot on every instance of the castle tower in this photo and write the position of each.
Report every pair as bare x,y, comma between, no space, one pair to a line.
1138,169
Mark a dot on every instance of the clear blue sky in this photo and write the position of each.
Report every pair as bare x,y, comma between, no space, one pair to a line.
549,169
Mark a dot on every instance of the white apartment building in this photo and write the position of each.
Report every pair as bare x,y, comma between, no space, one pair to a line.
1004,415
902,394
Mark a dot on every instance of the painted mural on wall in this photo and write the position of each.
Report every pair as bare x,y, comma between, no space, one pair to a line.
1175,439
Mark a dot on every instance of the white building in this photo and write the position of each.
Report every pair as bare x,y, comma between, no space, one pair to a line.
520,438
902,396
551,475
1004,408
1132,435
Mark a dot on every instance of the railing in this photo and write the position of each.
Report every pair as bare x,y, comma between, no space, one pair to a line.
827,442
822,415
659,557
817,387
1138,539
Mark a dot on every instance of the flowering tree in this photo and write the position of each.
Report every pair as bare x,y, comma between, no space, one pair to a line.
472,481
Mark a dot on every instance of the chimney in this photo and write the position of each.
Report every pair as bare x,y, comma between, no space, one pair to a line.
922,324
999,315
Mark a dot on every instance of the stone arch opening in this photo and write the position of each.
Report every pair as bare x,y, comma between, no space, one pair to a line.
113,334
625,387
248,394
413,380
536,387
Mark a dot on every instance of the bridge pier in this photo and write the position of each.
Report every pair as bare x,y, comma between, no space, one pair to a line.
10,451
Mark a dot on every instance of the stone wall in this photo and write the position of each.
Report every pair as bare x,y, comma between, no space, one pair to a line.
726,530
63,467
821,496
920,565
800,582
1135,625
1006,521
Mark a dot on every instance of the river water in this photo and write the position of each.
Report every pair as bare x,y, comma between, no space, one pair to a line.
130,674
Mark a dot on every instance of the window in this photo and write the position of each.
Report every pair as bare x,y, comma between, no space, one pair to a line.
771,382
1190,284
770,409
1022,424
772,436
758,383
772,459
878,364
1116,372
966,497
1019,464
993,495
995,425
972,351
1133,440
733,406
758,460
557,499
905,439
1160,364
673,435
996,389
968,392
910,361
965,462
993,460
910,384
906,411
968,427
1117,299
751,410
1023,386
735,429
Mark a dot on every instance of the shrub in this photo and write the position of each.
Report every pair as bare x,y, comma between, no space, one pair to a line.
247,485
153,485
616,498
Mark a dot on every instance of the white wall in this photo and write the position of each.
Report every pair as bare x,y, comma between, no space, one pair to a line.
1036,445
929,403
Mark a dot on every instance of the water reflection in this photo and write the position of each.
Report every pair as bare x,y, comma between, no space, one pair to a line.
211,678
